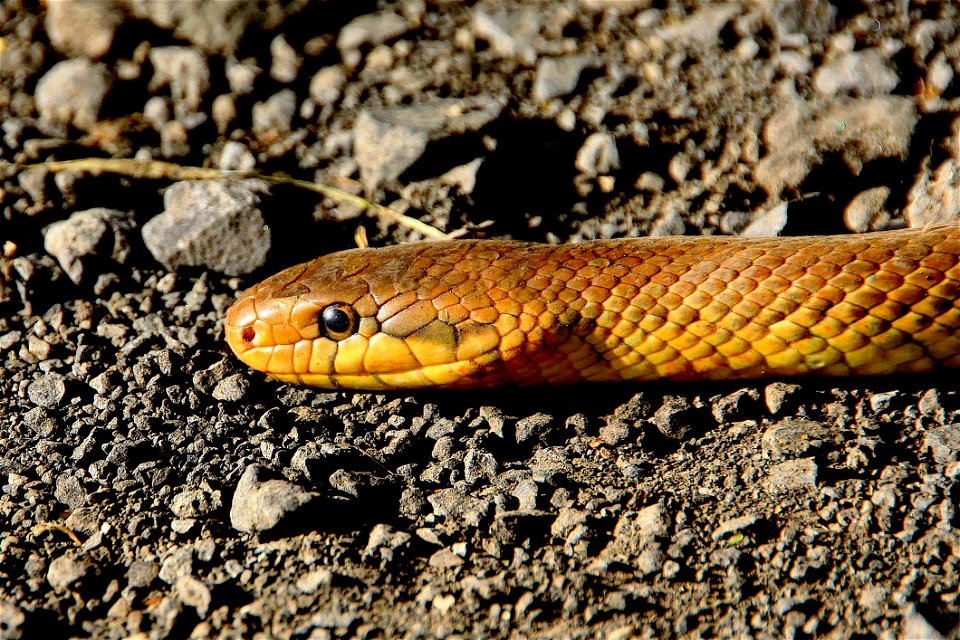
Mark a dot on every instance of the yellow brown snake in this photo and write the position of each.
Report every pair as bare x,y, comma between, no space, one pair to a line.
484,313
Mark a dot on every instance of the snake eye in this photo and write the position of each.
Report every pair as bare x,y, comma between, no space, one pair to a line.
339,321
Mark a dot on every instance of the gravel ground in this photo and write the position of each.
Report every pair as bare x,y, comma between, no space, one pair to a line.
152,487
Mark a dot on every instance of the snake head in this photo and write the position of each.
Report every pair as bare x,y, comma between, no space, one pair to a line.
419,315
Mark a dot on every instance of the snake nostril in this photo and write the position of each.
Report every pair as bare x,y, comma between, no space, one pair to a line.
248,334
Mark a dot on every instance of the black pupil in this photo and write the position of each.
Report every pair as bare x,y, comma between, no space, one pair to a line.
336,320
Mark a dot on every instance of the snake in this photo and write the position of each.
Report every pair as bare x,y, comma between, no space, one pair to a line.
482,313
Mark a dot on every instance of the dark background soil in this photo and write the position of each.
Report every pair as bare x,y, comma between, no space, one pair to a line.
153,487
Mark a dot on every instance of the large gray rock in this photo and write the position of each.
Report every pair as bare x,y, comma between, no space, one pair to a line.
260,504
213,224
388,141
88,237
71,93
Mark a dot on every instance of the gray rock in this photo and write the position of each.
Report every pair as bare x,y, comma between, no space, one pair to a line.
614,432
790,475
69,491
12,620
797,135
866,210
232,388
814,19
634,540
866,73
215,27
556,77
88,237
69,569
914,625
731,406
260,505
669,223
313,580
384,151
178,563
41,421
82,29
371,29
931,406
445,559
327,85
183,526
85,520
478,465
214,224
934,198
768,224
195,503
533,426
550,464
385,543
944,443
880,402
776,394
526,493
510,34
9,339
567,520
650,559
47,391
347,482
156,111
274,117
388,141
597,155
441,428
700,29
174,140
193,593
453,503
675,417
224,112
241,76
71,93
793,437
184,70
142,573
939,74
652,521
236,157
284,61
108,384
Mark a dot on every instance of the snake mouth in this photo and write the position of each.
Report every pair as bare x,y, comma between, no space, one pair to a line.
451,374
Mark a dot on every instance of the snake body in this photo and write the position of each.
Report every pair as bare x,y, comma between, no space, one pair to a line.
485,313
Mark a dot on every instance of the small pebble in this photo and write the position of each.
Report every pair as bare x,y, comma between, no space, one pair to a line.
274,117
285,63
47,391
327,85
556,77
371,29
193,593
68,570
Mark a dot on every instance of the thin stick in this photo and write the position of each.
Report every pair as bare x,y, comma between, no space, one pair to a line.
159,170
